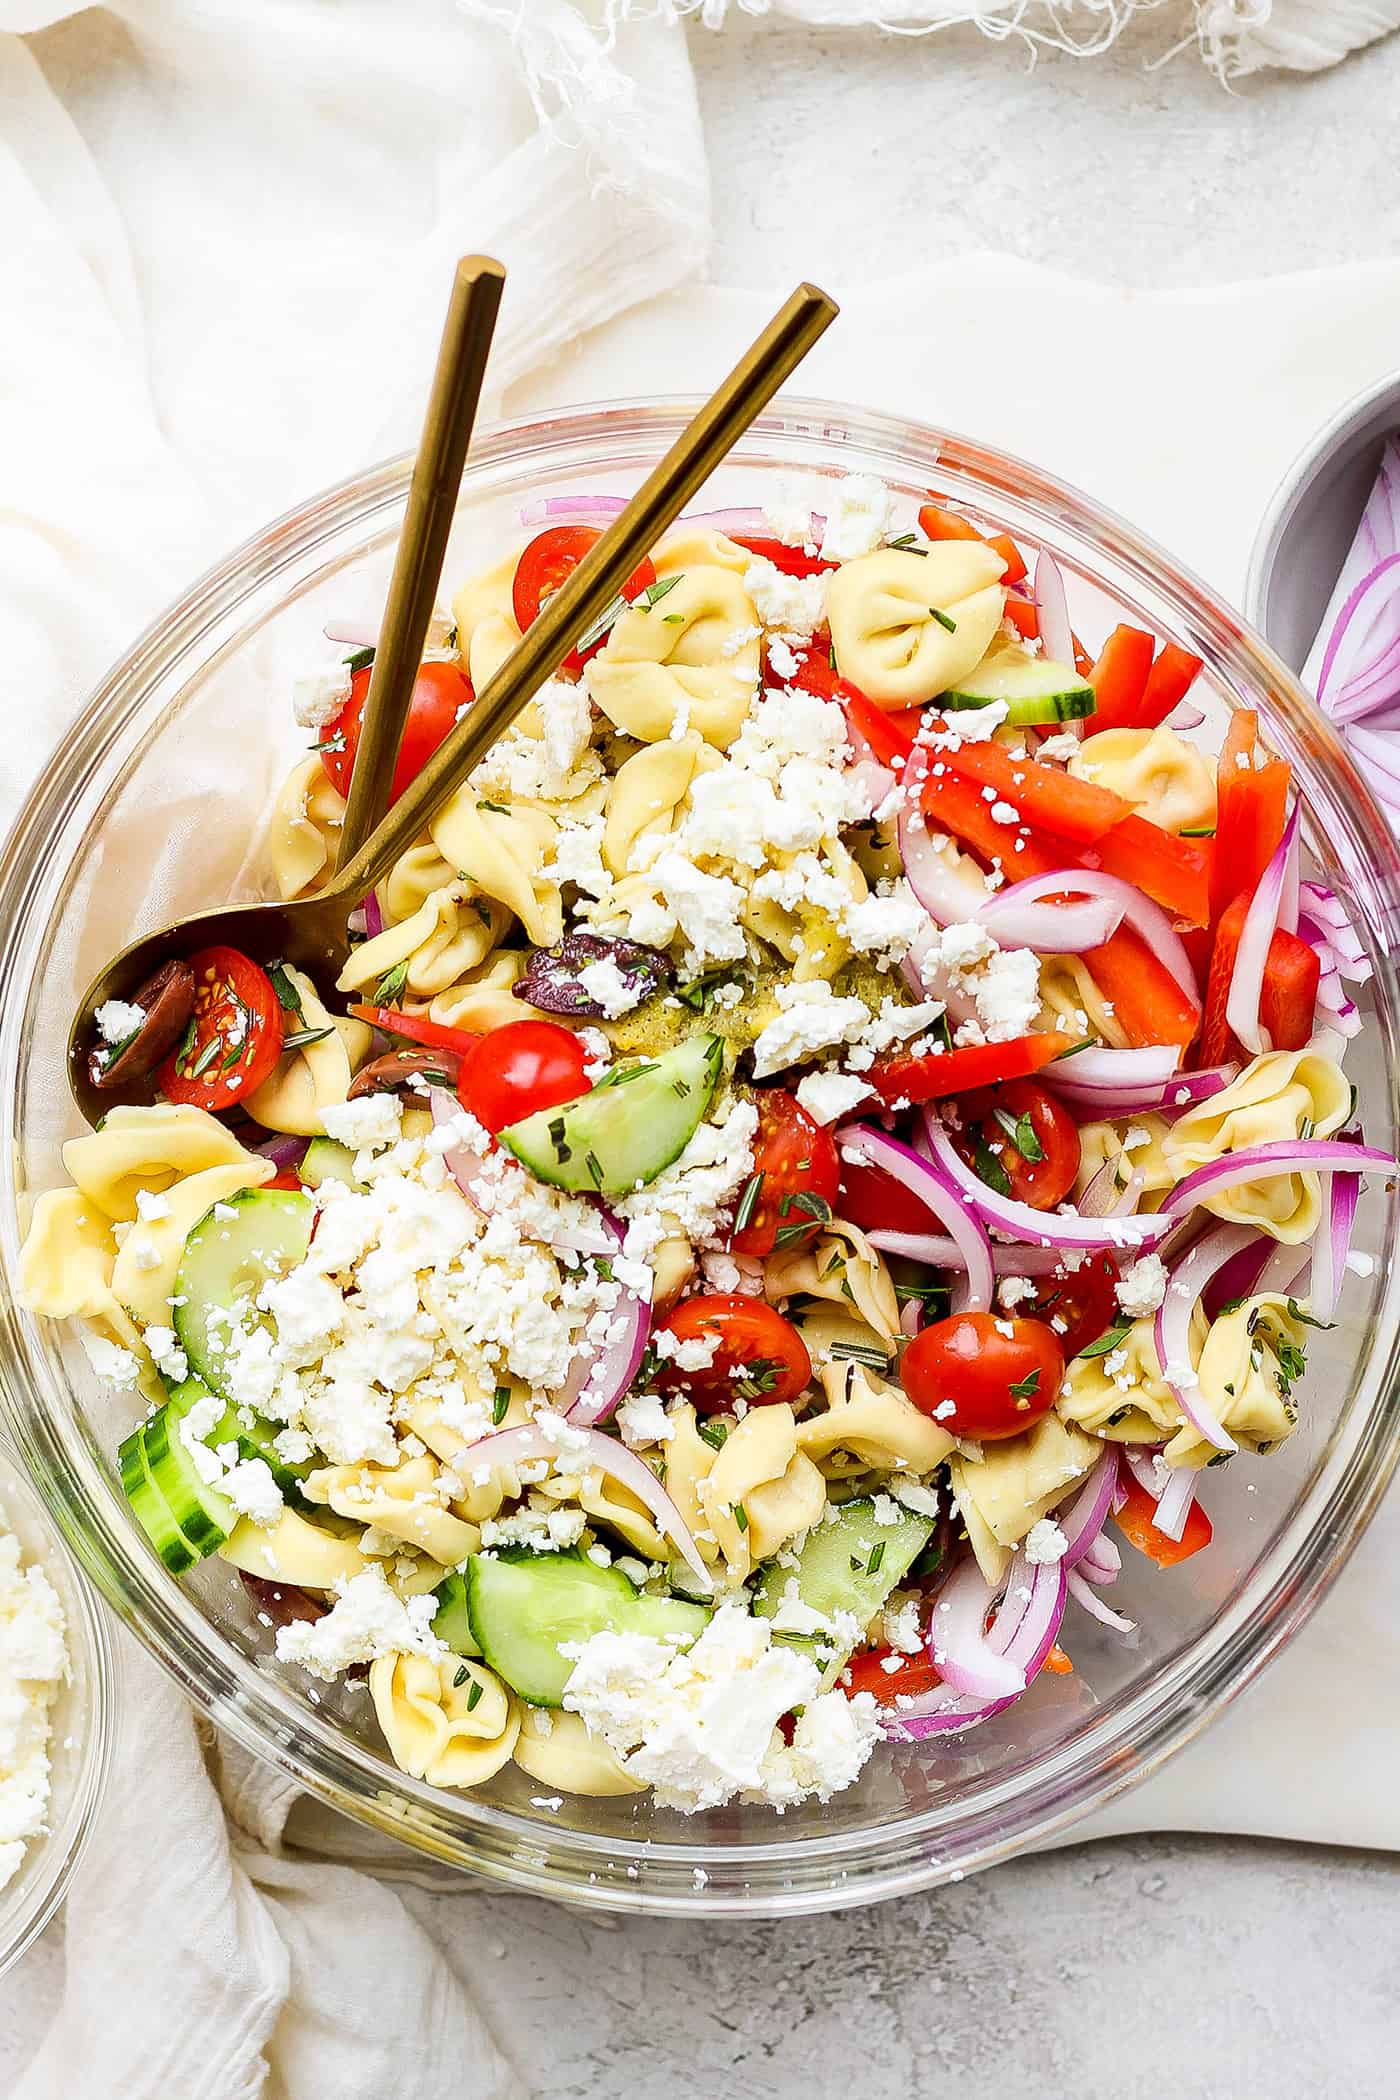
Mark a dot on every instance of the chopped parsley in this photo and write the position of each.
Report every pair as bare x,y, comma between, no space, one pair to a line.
391,984
305,1036
748,1202
713,1431
757,1377
989,1168
474,1695
360,661
944,620
500,1402
1105,1342
1025,1388
1021,1132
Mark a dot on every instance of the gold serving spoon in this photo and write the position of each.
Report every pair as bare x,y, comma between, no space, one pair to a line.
312,932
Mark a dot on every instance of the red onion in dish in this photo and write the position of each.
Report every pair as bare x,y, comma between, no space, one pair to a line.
1261,1162
576,510
1261,922
922,970
1047,1228
958,1644
1239,1276
937,1251
352,634
911,1316
1101,1561
1330,915
1332,1245
1172,1326
950,895
1174,1498
1023,1631
1185,717
1018,917
601,1374
585,1448
1085,1598
869,1147
374,917
1106,1197
1285,1270
1170,1097
1087,1514
1056,634
283,1151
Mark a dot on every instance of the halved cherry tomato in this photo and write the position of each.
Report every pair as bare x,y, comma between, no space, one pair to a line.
791,560
999,1122
991,1384
865,1672
877,1202
440,692
902,1080
795,1179
758,1355
417,1028
1119,678
234,1038
520,1068
1251,808
1078,1305
1134,1519
552,556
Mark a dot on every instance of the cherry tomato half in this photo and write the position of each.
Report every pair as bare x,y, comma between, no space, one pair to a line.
518,1069
865,1672
758,1355
877,1202
440,692
1021,1140
234,1037
795,1180
549,558
997,1383
1078,1305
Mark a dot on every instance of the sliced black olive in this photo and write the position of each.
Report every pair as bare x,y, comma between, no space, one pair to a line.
167,1002
384,1075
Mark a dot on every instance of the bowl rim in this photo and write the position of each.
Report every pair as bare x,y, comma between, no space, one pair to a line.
851,1868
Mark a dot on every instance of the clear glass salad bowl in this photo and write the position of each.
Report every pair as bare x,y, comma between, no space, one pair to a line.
149,808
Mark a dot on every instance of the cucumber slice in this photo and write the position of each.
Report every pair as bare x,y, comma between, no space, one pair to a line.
525,1606
204,1515
254,1435
326,1159
849,1564
226,1262
149,1506
629,1129
1035,688
452,1622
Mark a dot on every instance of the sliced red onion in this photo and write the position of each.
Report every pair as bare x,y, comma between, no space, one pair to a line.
584,1448
1086,1599
1110,1072
1102,1562
1186,716
937,1251
923,971
1176,1501
1024,1632
1352,657
1326,908
374,917
352,634
1171,1329
867,1146
958,1645
1239,1276
1056,634
1018,917
911,1316
601,1374
875,782
1285,1271
1263,1162
1105,1197
951,896
582,510
1333,1244
283,1151
1261,922
1118,901
1048,1228
1088,1513
479,1173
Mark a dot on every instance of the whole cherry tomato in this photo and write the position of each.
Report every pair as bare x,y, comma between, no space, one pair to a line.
1078,1305
234,1036
1021,1140
440,693
516,1070
794,1183
979,1380
752,1353
547,561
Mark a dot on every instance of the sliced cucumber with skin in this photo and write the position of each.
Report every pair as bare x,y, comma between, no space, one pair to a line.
1035,688
629,1129
524,1607
226,1262
254,1435
452,1620
849,1564
184,1518
326,1159
150,1508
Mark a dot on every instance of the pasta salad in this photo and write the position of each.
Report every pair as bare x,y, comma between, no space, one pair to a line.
824,1139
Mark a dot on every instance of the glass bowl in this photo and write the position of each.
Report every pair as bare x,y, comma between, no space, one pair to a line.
81,1725
147,809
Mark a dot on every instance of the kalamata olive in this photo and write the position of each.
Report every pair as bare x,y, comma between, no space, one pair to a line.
167,1001
553,984
282,1602
384,1075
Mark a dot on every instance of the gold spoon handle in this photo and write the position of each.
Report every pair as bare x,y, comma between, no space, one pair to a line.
593,585
432,504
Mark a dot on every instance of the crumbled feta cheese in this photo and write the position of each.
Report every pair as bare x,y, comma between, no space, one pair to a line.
794,606
368,1124
693,1353
252,1490
320,696
789,518
811,1019
33,1666
1013,1291
902,1623
1045,1543
117,1019
366,1621
858,516
110,1361
828,1096
605,984
643,1420
151,1206
1141,1289
166,1353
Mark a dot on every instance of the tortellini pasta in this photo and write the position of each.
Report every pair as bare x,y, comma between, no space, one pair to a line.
646,799
66,1270
873,1421
485,619
1247,1367
451,933
1134,1146
408,1502
1072,1002
449,1721
143,1275
1164,777
317,1073
484,998
691,661
884,609
449,1435
699,547
1122,1394
148,1148
841,1267
836,1334
1017,1481
502,851
1278,1096
760,1490
293,1550
303,834
607,1502
559,1750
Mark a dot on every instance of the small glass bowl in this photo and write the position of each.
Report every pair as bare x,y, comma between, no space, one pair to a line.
148,809
81,1725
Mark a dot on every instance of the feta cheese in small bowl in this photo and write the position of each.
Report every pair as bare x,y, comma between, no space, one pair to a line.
55,1714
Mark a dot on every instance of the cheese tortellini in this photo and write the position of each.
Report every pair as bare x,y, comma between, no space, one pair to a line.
66,1272
484,614
294,1550
1164,777
874,1422
690,661
559,1750
647,798
844,1269
449,1721
1284,1094
758,1470
143,1275
1247,1367
1121,1394
315,1074
484,999
408,1502
1072,1002
303,835
907,626
1016,1482
147,1148
1134,1146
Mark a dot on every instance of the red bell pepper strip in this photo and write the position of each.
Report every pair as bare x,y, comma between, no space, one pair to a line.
890,733
417,1028
1148,1003
1119,678
1252,806
1170,680
1289,999
1217,1039
1024,616
915,1079
952,803
1045,796
936,523
1134,1518
791,560
1174,872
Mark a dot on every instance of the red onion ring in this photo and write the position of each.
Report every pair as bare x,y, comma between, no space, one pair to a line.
1333,1244
283,1151
1262,1162
866,1146
1172,1326
937,1251
1089,1511
1261,922
374,917
950,896
1326,908
1084,1597
957,1644
1018,917
1023,1631
1173,1500
1050,1228
1056,634
601,1374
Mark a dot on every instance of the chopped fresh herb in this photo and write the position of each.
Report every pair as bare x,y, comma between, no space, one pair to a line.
497,809
646,1369
602,1266
693,996
815,1209
1108,1341
1292,1362
907,543
303,1036
287,994
935,1298
1021,1132
655,592
1025,1388
500,1402
1305,1319
391,984
944,620
186,1045
607,618
334,742
1351,1111
461,1677
1197,831
674,619
857,1564
877,1554
989,1168
595,1168
555,1130
757,1378
713,1430
205,1058
1231,1305
360,661
868,1353
1074,1049
748,1203
741,1516
474,1695
1306,1127
621,1074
